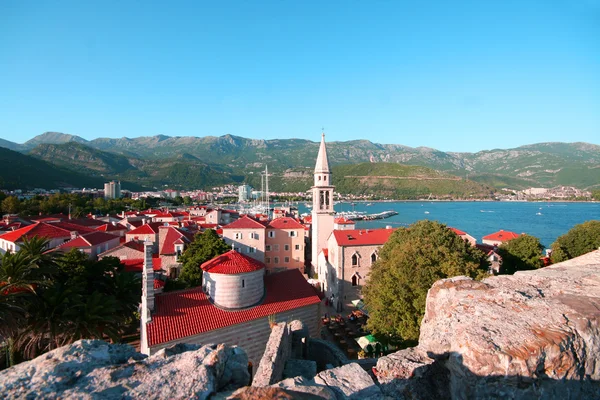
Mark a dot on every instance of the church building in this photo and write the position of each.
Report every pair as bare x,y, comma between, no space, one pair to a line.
342,256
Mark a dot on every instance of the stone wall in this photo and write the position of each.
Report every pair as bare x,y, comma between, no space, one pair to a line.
277,353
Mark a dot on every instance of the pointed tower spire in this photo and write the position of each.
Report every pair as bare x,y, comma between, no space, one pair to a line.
322,166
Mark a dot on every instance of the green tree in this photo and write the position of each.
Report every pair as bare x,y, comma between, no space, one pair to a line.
596,195
581,239
205,246
410,262
521,254
11,205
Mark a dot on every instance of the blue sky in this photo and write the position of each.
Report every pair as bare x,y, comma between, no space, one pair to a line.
453,75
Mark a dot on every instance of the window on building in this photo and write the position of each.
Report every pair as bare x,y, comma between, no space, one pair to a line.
293,234
355,260
373,257
238,235
297,247
268,260
276,260
275,247
271,234
243,283
251,249
268,247
354,280
286,247
286,260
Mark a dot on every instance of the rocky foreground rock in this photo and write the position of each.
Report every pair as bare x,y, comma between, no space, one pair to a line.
534,334
93,369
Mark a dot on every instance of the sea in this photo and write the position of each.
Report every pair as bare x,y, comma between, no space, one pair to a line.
544,220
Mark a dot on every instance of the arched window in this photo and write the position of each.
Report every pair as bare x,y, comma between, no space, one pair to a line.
373,257
355,279
355,260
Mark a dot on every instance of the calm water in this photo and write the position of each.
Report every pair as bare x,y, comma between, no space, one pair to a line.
482,218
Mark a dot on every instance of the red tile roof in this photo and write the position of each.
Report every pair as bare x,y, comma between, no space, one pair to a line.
88,240
172,236
68,225
285,223
111,228
147,229
457,231
231,263
245,223
362,237
501,236
41,229
343,221
189,312
158,284
137,264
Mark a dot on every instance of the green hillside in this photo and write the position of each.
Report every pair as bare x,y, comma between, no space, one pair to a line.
25,172
183,171
403,182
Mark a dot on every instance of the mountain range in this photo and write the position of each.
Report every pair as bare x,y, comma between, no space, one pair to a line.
188,162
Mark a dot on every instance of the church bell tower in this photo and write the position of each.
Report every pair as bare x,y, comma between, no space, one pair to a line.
322,197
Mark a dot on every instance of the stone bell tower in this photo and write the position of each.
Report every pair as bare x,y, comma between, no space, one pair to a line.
322,211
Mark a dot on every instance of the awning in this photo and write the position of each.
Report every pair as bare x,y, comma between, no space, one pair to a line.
364,341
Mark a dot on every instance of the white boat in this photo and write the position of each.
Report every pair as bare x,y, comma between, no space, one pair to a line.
538,213
426,212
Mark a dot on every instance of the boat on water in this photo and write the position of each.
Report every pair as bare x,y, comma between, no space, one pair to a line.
426,212
538,213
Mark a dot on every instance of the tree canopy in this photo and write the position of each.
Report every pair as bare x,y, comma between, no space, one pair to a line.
410,262
520,254
581,239
205,246
51,299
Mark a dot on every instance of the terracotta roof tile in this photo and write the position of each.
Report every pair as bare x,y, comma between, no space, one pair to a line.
362,237
457,231
230,263
172,236
41,229
111,228
147,229
88,240
285,223
501,236
137,264
189,312
245,223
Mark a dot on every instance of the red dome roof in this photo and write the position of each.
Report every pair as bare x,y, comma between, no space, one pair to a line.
231,263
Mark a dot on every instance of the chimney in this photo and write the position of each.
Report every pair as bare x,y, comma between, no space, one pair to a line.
147,283
74,235
114,223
